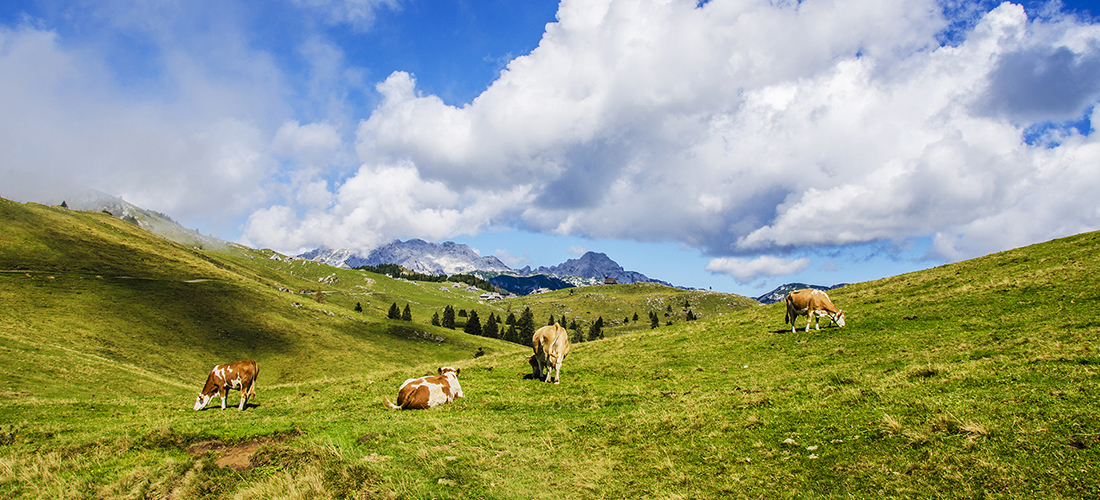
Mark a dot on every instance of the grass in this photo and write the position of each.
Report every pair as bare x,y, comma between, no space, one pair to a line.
971,380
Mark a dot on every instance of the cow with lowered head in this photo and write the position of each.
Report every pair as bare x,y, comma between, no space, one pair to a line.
237,375
551,345
813,304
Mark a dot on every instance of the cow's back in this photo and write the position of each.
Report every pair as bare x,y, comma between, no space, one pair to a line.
551,341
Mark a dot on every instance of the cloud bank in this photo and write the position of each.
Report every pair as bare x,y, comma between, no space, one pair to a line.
749,129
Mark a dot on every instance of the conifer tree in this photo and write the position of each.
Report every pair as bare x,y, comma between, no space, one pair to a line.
551,322
526,326
635,317
358,307
407,313
394,313
595,332
473,324
435,319
449,317
654,320
490,329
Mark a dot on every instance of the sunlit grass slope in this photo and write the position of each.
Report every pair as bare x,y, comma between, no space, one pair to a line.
972,380
88,298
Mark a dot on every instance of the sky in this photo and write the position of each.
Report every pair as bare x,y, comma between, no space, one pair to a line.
732,145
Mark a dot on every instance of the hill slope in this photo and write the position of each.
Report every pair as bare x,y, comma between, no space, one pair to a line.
976,379
119,301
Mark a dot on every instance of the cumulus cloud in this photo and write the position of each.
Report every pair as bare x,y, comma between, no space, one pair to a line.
659,121
746,271
377,203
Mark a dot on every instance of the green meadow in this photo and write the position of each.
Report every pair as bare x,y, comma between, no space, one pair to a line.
971,380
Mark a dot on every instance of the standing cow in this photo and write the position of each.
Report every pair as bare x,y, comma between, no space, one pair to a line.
551,345
237,375
425,392
813,304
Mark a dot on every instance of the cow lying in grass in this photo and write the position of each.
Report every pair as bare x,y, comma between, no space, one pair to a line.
551,345
426,392
237,375
813,304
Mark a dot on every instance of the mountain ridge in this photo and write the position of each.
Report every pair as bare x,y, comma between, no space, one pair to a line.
450,258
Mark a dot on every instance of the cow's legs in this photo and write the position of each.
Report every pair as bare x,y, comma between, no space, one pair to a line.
244,399
224,394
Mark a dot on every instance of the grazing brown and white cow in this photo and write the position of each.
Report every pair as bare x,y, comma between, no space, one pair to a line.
237,375
426,392
813,304
551,345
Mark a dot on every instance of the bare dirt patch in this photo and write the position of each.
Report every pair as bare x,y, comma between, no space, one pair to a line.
237,457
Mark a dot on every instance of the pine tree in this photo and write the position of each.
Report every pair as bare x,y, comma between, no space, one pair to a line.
526,325
511,321
473,325
490,329
595,332
435,319
635,317
394,313
358,307
407,314
551,323
449,317
654,320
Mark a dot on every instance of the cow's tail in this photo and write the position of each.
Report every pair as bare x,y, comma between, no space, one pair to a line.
388,404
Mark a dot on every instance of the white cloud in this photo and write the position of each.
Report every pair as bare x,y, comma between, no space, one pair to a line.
663,121
62,114
745,271
575,250
378,203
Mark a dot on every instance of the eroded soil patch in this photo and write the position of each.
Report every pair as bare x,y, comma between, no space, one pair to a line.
237,457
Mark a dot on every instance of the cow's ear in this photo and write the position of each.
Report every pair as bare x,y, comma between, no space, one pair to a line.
458,370
440,370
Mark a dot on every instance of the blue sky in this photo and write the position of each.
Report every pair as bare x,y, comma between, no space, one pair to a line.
734,145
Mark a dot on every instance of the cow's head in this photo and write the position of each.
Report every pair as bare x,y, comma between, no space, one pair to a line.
839,318
202,400
443,370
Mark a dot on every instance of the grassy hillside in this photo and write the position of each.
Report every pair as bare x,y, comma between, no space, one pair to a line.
88,298
977,379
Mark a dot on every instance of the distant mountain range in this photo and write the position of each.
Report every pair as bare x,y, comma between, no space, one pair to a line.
415,255
781,292
454,258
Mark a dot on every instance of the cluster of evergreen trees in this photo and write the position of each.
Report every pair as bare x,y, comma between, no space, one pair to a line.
396,313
